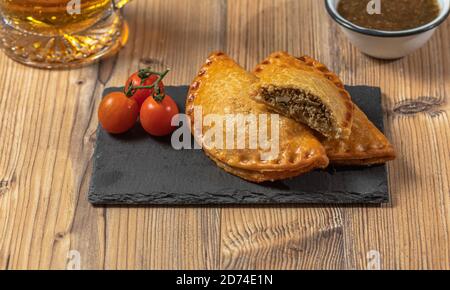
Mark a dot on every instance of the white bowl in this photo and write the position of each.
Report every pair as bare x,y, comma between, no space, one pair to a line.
387,44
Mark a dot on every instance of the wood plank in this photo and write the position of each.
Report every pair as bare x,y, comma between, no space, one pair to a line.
282,238
162,238
37,206
279,237
413,231
47,133
47,121
163,34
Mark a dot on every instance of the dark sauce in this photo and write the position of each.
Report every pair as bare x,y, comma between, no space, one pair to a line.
395,14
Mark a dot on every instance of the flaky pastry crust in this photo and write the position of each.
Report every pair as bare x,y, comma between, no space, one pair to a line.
366,145
223,87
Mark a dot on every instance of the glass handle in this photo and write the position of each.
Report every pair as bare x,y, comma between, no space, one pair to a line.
118,4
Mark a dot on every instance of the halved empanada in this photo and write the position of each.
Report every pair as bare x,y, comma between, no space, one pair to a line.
366,145
305,90
222,87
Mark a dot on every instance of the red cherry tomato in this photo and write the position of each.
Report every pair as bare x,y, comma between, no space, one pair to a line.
156,117
118,113
142,94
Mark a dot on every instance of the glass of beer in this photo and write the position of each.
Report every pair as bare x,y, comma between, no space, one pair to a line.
61,33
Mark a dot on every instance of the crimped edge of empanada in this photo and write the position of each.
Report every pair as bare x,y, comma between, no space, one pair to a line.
197,82
263,176
379,151
366,157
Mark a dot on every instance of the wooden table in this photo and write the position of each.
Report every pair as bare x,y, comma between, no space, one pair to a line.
47,135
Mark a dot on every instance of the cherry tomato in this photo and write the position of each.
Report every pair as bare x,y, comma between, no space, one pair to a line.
142,94
118,113
156,117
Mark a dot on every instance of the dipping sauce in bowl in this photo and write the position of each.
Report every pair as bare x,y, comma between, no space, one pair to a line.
388,29
395,15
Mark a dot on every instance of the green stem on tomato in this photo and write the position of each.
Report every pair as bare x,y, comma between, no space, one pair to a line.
157,95
144,74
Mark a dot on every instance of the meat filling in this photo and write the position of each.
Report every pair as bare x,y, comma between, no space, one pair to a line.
301,106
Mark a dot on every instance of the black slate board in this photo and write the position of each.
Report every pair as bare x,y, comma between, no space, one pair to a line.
136,168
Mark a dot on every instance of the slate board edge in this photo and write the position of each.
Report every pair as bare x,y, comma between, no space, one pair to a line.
146,199
98,199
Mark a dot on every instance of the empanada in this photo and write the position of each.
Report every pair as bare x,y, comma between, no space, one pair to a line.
305,90
366,145
222,88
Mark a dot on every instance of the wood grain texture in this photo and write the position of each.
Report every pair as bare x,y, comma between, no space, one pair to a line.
48,120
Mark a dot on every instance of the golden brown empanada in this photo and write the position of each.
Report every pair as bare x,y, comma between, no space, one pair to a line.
305,90
222,87
366,145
